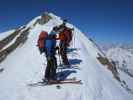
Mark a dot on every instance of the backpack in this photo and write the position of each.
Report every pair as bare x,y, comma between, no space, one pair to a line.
66,35
50,45
41,41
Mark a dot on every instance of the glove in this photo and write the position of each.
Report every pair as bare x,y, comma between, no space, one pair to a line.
57,48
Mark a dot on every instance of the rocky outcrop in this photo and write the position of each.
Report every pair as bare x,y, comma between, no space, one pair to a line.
21,39
110,65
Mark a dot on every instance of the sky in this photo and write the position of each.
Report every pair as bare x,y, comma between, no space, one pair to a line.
105,21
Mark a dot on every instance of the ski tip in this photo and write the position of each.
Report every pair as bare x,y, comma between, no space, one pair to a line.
36,84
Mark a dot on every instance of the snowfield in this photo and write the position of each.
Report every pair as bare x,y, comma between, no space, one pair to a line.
123,56
25,65
5,34
124,63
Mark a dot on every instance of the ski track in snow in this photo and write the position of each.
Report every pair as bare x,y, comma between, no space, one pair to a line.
98,83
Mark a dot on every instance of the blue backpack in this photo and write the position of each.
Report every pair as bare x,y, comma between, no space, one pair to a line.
50,45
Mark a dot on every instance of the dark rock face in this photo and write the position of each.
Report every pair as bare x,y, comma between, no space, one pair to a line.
21,39
110,65
8,39
22,36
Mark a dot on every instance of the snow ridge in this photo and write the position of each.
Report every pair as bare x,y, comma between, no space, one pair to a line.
25,65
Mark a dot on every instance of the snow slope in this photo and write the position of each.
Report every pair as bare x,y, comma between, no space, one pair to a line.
5,34
122,56
25,65
124,63
10,43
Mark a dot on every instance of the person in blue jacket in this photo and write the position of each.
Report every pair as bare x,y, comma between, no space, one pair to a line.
50,51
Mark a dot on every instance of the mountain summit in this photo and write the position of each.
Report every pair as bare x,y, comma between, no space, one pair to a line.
23,64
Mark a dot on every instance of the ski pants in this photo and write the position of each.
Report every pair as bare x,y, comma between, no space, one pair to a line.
63,53
50,72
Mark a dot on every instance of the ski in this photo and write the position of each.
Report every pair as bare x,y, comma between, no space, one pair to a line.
67,81
36,84
42,83
64,82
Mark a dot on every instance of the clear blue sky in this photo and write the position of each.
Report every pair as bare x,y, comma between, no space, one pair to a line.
106,21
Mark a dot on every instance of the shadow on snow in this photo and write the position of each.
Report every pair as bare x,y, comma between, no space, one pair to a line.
62,75
75,61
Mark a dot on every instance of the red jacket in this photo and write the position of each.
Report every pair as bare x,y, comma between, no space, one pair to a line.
41,40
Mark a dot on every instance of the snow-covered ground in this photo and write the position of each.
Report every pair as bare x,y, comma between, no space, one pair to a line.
10,43
124,63
123,56
5,34
25,65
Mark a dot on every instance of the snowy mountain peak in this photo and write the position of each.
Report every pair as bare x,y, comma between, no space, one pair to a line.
23,64
119,53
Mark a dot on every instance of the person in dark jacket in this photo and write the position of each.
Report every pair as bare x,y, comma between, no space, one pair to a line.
65,37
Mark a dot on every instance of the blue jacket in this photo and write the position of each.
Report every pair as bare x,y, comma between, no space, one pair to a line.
50,45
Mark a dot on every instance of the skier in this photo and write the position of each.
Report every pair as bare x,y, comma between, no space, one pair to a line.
65,37
49,48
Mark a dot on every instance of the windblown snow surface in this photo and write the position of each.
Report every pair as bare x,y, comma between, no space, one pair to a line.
5,34
25,65
124,63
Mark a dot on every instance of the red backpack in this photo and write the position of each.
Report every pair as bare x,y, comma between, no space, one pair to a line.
42,37
69,35
66,35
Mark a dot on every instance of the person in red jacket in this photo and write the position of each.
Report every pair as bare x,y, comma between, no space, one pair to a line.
65,37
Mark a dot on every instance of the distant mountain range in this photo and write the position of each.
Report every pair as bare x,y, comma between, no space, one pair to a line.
122,55
106,47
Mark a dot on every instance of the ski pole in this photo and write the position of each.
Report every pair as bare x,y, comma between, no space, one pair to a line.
73,45
59,56
74,38
59,59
